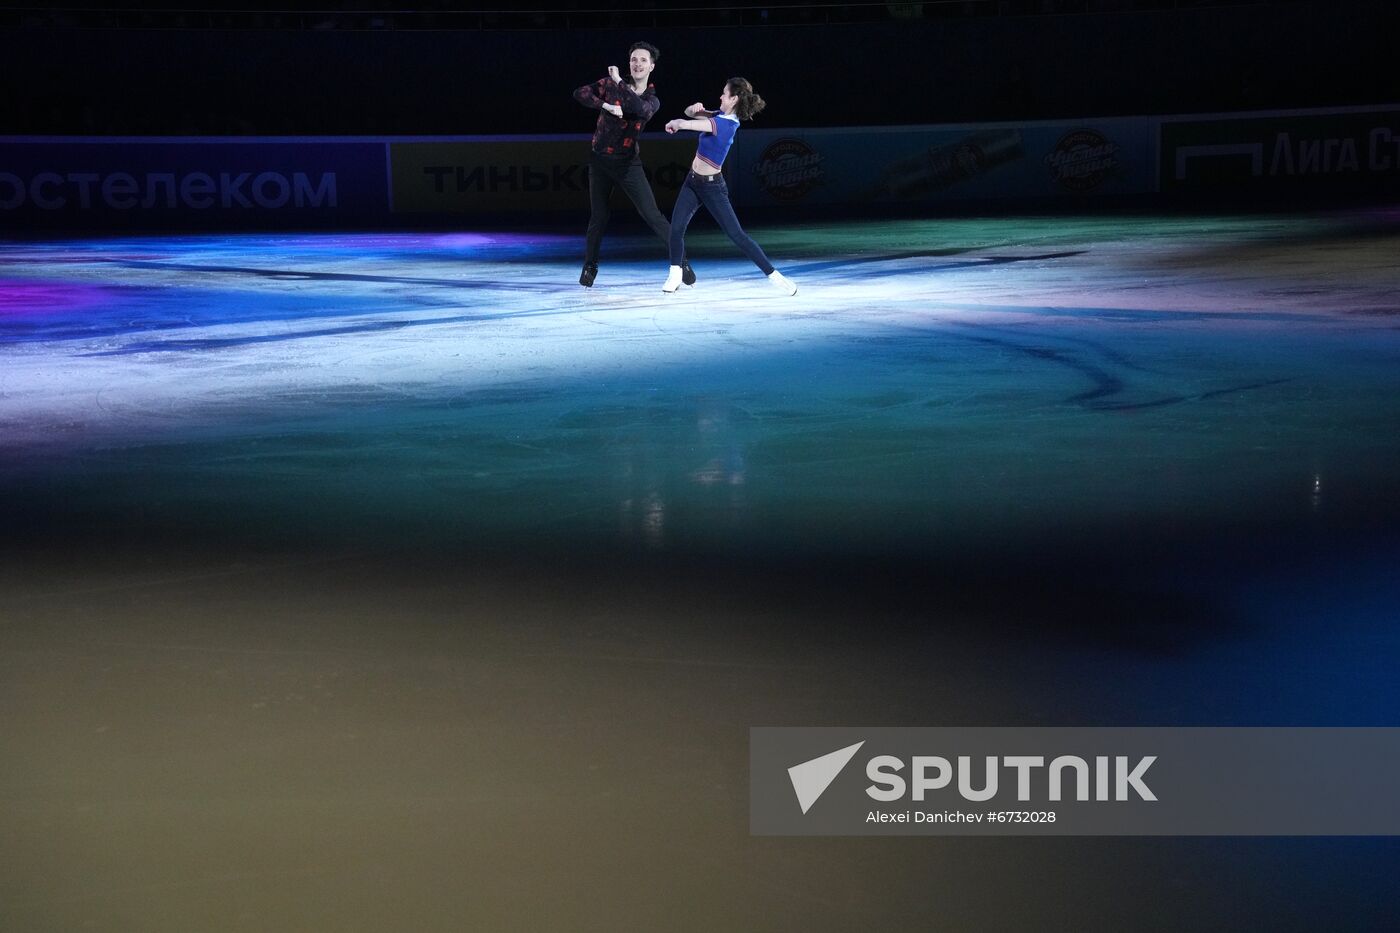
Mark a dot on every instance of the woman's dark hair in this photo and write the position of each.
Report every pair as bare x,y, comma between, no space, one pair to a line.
749,102
652,50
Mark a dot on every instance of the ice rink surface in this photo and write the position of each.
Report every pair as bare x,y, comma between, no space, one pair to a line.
396,582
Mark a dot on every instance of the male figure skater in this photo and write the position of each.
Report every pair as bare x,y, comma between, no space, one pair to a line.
614,161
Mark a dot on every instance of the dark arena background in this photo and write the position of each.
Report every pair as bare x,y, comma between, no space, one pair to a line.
361,571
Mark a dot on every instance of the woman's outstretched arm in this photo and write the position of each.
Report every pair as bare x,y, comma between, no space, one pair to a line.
699,126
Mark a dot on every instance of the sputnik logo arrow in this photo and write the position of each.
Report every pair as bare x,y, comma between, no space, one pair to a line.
811,778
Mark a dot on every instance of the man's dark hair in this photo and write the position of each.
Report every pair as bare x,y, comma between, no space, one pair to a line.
652,50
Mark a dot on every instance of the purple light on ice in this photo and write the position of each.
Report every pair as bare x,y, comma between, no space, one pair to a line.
20,297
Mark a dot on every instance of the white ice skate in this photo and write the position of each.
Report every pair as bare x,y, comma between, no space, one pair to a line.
785,285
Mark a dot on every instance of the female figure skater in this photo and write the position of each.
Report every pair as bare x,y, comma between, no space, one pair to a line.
705,185
614,161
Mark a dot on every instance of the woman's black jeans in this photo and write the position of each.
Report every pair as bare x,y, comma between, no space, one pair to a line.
711,191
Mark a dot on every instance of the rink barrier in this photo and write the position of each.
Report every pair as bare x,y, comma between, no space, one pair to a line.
219,182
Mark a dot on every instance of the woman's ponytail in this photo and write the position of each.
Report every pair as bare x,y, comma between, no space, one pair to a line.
749,102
